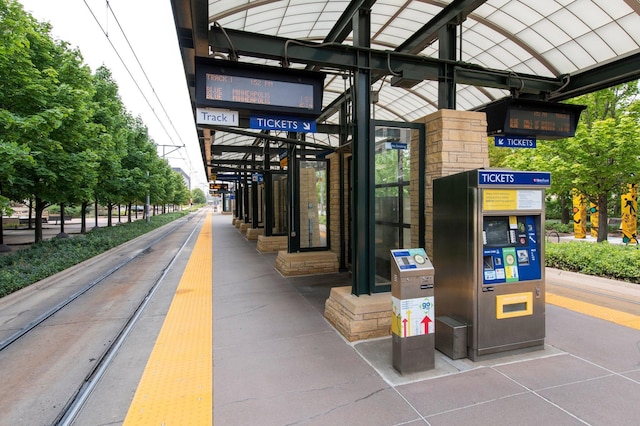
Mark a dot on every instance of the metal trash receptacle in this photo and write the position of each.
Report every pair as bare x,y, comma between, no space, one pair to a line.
451,337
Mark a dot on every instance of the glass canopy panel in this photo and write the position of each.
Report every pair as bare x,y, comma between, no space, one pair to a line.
618,39
546,37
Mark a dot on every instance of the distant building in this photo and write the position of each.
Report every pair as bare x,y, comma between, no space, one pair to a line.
185,177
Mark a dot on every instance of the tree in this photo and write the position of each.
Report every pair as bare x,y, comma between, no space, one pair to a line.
136,163
198,196
602,158
111,141
44,106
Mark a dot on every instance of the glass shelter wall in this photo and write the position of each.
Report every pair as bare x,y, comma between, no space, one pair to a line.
313,214
392,196
280,203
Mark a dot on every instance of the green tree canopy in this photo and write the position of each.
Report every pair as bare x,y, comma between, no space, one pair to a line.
602,158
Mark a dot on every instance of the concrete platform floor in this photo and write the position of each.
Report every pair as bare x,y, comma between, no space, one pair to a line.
277,361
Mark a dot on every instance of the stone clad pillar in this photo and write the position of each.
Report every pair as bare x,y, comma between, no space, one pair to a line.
456,141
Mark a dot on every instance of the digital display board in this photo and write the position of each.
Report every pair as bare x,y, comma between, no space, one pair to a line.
218,187
535,121
526,117
253,88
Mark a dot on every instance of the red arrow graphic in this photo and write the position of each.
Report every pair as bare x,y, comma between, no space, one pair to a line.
426,320
404,325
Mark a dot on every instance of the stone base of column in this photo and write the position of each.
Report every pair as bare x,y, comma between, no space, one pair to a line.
307,263
253,233
359,318
272,244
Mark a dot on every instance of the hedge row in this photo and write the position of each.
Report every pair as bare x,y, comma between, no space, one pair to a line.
24,267
602,259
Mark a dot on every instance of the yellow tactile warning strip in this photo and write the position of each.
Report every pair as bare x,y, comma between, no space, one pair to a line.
608,314
177,384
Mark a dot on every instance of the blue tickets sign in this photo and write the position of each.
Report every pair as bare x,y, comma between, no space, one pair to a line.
514,142
287,124
513,178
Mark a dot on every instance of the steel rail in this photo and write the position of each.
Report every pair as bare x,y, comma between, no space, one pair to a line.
75,404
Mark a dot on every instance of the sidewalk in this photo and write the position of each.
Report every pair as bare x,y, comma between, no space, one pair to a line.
21,238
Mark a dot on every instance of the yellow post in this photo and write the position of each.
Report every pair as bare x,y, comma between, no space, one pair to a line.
579,215
630,215
594,215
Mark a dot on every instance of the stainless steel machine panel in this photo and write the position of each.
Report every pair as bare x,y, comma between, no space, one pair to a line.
490,257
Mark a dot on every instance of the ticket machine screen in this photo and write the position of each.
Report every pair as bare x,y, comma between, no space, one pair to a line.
510,249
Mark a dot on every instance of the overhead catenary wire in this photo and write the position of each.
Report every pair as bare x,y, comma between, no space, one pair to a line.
135,81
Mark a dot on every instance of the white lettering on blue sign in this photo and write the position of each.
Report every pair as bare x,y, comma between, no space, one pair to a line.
501,177
514,142
289,124
497,178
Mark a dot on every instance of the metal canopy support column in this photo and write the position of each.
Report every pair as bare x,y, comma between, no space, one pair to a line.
239,198
268,191
294,197
245,197
363,179
446,82
254,197
344,130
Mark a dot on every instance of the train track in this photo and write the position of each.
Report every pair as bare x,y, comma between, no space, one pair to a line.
108,306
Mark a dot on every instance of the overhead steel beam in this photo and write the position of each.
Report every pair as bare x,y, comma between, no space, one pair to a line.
253,149
192,28
238,169
341,56
243,149
219,162
272,138
455,12
344,25
619,71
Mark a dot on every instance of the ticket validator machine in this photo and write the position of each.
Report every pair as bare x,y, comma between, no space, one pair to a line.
488,247
412,305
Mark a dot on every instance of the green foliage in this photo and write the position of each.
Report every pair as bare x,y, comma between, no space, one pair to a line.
65,135
603,259
197,196
602,157
561,228
24,267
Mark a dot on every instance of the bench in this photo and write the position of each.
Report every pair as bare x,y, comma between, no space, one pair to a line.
615,221
25,220
56,218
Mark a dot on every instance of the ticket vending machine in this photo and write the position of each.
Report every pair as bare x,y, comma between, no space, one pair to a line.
413,311
488,248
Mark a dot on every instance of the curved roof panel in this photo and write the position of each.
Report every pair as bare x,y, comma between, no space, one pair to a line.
546,37
557,39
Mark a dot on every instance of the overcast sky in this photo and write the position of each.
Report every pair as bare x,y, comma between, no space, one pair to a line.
149,28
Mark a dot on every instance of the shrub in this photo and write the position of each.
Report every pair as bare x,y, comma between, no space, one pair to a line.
22,268
602,259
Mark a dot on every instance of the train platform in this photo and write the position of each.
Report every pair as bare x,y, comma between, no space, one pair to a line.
277,361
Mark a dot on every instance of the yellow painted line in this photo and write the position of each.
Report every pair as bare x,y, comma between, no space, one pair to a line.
608,314
177,384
